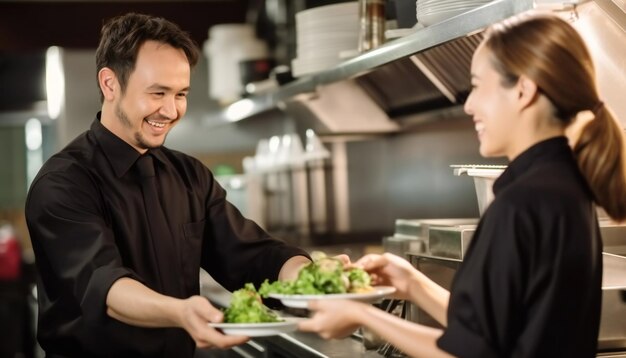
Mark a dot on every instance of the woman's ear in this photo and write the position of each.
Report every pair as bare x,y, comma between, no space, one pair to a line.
108,83
527,91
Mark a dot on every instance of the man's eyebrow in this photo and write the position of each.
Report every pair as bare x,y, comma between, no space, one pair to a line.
158,87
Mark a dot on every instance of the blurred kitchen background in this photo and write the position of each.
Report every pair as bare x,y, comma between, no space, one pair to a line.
325,145
378,165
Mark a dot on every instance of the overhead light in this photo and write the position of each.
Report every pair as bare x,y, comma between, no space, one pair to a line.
239,110
55,82
33,134
34,153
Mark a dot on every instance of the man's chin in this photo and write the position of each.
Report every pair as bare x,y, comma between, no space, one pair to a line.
153,145
150,145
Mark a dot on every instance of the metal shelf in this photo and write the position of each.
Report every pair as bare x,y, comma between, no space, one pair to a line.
421,40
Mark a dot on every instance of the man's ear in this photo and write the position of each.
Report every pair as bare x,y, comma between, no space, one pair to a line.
527,91
108,83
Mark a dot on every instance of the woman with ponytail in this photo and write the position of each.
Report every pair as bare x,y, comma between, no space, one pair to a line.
530,283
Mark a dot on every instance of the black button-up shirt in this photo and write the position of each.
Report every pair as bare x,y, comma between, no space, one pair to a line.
88,227
530,285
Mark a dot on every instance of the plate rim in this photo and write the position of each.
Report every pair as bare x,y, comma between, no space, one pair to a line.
286,322
323,296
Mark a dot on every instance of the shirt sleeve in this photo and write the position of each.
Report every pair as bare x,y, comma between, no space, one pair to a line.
236,250
75,248
484,313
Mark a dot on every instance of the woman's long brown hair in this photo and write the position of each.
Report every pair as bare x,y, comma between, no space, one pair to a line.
550,51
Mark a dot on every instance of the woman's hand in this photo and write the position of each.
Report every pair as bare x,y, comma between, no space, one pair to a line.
332,318
345,259
410,284
390,270
196,313
338,319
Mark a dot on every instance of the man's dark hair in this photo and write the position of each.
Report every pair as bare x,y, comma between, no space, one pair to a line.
122,36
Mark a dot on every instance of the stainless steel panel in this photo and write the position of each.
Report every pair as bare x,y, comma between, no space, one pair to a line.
411,235
613,321
402,245
419,227
620,354
450,242
613,237
441,271
416,182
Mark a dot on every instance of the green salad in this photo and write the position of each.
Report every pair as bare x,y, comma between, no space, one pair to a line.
323,276
246,307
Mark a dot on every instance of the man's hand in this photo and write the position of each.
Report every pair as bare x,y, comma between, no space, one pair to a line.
133,303
196,313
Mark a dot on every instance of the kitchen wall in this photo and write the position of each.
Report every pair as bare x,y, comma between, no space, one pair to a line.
82,98
409,175
12,167
13,179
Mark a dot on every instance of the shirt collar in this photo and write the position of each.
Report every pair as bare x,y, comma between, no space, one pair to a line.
120,154
549,149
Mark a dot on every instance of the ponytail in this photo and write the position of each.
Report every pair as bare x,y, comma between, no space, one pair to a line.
601,158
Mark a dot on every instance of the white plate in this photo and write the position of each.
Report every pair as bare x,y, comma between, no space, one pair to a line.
289,324
341,9
301,301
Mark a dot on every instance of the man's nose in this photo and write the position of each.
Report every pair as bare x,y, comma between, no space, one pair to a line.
168,108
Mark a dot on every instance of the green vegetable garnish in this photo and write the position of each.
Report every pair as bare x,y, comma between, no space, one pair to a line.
246,307
323,276
360,280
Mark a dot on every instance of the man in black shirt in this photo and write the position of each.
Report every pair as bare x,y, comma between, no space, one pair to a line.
121,226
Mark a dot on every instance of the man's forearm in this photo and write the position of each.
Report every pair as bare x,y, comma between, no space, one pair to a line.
290,269
133,303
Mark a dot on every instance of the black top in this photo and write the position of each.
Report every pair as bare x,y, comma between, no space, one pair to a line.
530,285
88,226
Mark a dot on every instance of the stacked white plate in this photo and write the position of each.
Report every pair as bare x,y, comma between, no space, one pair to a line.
430,12
322,34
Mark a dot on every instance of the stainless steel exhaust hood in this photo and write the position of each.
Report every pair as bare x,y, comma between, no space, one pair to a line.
429,80
426,82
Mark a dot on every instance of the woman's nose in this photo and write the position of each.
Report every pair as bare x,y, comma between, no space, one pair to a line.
467,107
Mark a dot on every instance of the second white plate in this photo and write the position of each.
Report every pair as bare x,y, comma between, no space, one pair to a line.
301,301
289,324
